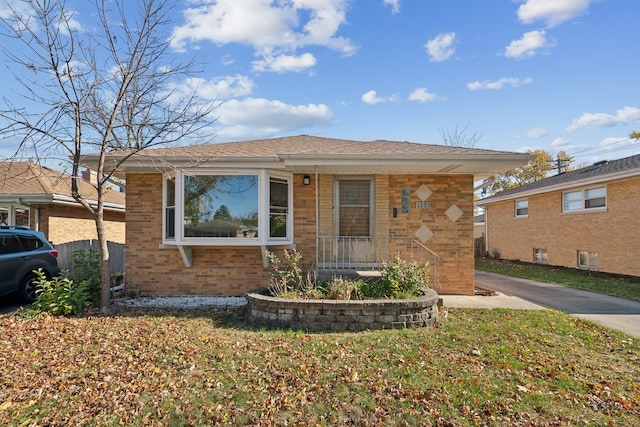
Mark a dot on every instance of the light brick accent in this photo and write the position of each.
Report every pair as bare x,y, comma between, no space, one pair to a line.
235,271
452,241
614,234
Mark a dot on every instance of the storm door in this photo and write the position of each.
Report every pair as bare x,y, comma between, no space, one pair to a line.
354,221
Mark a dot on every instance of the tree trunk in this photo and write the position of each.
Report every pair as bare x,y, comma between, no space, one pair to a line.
105,286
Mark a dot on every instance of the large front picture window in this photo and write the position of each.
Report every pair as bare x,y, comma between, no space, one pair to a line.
221,206
208,208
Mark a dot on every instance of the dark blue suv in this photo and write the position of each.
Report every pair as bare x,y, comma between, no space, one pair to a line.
21,252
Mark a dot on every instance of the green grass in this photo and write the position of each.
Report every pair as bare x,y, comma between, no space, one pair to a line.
163,368
608,284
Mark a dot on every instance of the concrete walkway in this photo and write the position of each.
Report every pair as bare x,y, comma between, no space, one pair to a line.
615,313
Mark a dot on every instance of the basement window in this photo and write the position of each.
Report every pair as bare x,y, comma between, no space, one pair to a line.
540,256
588,260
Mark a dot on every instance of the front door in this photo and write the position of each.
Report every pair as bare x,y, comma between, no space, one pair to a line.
354,221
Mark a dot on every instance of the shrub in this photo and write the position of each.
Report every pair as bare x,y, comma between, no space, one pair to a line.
402,279
60,295
289,278
86,268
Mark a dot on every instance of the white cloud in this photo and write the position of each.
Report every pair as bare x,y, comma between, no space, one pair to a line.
535,133
284,63
440,48
528,45
499,84
624,115
219,88
553,12
422,94
559,142
273,29
395,5
259,117
372,98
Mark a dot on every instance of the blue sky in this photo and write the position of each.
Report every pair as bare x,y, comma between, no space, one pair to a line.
526,74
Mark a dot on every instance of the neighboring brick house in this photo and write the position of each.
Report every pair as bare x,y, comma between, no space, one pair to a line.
39,198
200,218
587,218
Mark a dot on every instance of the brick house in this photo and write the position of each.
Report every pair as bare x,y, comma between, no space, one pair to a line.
587,218
39,198
200,218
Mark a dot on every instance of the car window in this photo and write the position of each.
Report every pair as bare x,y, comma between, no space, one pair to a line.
9,244
31,243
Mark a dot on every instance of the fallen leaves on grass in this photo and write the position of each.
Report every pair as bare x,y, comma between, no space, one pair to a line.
479,367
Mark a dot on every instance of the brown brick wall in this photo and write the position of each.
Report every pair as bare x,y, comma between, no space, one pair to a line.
614,234
233,271
63,223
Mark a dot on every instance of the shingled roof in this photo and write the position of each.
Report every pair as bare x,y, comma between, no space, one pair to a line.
34,183
597,173
301,153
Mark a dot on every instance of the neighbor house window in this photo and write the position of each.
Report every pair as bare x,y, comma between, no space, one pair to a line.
591,198
540,255
522,208
588,260
208,208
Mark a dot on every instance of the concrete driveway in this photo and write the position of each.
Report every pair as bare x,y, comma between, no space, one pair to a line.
611,312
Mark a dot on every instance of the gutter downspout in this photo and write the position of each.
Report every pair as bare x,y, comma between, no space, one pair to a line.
317,219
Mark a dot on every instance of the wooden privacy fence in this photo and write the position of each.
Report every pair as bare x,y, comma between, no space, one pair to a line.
479,249
66,250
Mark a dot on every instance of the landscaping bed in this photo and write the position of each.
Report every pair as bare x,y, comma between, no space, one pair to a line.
315,315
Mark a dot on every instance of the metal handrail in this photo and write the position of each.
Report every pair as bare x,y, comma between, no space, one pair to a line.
372,253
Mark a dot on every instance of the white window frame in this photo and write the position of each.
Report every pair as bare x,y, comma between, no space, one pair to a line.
519,208
592,260
540,256
263,238
583,200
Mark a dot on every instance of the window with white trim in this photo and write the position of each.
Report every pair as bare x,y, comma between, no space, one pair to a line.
583,200
228,208
588,260
522,208
540,255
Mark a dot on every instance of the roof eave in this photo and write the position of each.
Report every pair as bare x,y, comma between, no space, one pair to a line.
562,186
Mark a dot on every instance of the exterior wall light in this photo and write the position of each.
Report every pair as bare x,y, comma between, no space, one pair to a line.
306,180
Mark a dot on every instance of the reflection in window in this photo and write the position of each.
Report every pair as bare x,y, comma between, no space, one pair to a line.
592,198
278,207
221,206
588,260
522,208
170,209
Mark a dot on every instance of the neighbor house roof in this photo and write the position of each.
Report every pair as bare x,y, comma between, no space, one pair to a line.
597,173
305,154
32,183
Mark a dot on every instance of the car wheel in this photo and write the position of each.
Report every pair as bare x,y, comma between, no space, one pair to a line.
28,288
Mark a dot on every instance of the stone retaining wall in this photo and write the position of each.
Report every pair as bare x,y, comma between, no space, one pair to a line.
337,315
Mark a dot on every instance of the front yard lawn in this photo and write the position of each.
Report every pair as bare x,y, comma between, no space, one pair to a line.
627,287
164,368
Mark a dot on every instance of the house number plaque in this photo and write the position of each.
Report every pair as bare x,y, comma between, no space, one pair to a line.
423,205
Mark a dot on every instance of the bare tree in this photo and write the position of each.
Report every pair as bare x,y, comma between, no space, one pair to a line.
458,137
98,89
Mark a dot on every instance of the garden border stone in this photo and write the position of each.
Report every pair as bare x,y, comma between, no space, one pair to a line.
315,315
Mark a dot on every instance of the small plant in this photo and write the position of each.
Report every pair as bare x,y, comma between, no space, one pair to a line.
60,295
289,277
403,279
342,288
86,268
